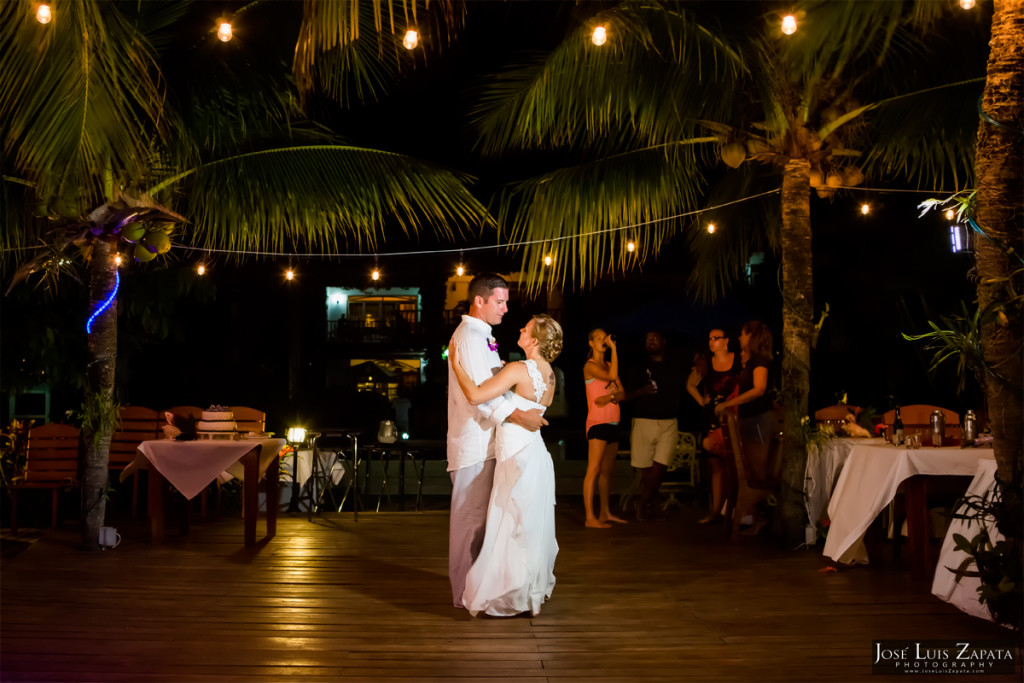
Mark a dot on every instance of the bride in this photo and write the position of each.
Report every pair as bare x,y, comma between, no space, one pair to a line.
514,572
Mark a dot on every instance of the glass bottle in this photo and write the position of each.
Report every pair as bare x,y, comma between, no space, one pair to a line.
897,428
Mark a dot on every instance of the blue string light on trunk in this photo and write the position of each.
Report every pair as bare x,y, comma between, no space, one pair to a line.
105,305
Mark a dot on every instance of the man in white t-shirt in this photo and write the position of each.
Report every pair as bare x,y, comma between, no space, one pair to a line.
471,428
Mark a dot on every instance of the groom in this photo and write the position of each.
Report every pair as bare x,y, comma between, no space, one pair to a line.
471,428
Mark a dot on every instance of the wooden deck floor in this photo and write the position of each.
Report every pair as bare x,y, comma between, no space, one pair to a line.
335,600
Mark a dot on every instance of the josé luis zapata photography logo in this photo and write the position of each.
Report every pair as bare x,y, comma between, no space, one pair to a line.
943,657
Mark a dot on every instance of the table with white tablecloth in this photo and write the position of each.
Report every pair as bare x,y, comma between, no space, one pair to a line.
869,481
190,466
964,593
825,463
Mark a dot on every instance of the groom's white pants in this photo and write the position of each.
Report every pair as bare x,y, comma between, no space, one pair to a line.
471,492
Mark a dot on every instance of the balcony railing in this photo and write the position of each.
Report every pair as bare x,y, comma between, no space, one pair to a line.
394,331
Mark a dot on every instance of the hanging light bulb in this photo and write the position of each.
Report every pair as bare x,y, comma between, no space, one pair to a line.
789,24
224,33
375,275
967,4
202,270
44,15
950,214
631,246
548,260
117,260
411,40
865,209
460,271
711,228
600,36
289,275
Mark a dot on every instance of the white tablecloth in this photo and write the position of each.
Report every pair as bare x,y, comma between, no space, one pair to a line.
824,465
964,594
192,465
868,484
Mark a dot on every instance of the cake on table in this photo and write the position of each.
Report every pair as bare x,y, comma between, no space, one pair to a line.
217,422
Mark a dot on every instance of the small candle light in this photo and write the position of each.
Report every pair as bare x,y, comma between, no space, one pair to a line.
789,24
600,36
224,33
44,15
411,39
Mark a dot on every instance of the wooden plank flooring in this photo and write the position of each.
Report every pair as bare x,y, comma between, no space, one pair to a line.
335,600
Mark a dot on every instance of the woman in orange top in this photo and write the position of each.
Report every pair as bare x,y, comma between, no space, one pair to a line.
601,373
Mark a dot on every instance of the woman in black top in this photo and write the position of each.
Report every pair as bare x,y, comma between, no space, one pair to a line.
711,382
758,422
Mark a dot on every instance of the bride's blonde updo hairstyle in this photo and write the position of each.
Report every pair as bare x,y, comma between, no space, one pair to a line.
548,332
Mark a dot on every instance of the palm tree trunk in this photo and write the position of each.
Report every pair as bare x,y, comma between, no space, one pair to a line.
797,327
99,393
998,168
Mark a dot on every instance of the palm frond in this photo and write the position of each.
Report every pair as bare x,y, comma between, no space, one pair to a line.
330,26
744,229
581,94
65,126
328,198
583,216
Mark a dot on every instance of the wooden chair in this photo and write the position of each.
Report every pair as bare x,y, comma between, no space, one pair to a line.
51,463
916,419
684,465
836,412
137,424
194,412
249,419
750,489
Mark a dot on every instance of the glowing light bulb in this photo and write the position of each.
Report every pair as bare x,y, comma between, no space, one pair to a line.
289,274
411,40
631,247
865,209
600,36
789,24
950,213
711,228
224,33
375,275
202,270
967,4
460,271
548,260
44,15
117,260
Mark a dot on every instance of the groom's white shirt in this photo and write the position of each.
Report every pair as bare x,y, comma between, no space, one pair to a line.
471,428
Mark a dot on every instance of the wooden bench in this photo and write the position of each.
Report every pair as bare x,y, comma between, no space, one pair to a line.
51,463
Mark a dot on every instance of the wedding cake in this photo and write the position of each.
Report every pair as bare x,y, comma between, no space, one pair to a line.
217,421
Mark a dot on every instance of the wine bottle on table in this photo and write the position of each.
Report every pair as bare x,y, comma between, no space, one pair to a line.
897,428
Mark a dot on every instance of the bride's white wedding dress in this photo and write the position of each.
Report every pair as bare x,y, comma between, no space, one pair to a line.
514,571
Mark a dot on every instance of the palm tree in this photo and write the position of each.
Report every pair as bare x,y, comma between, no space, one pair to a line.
674,92
129,125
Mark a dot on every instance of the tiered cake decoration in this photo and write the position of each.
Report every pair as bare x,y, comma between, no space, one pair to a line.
217,422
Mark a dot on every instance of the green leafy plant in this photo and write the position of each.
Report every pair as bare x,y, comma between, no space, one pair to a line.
998,565
958,339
